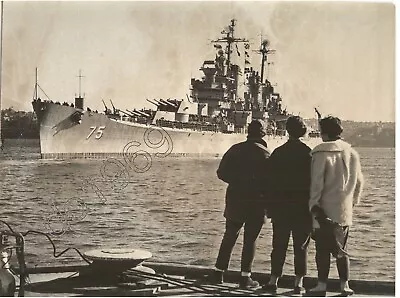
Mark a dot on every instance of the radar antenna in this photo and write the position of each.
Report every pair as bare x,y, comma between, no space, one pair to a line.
229,39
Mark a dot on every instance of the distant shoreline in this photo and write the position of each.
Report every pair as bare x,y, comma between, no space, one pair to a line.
36,142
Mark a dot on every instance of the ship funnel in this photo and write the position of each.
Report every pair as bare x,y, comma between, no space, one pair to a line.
79,102
79,99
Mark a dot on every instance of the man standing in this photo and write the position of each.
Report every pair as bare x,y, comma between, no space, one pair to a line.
336,186
288,204
243,167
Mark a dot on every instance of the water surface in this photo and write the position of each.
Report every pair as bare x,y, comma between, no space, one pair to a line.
173,210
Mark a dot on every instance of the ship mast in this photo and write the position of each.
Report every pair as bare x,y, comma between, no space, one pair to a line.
36,83
264,51
80,76
229,39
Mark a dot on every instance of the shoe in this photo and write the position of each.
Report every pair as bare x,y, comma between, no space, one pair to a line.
299,290
318,291
216,277
247,283
310,293
272,289
346,292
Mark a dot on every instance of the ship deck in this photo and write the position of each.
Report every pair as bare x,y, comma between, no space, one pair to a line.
175,280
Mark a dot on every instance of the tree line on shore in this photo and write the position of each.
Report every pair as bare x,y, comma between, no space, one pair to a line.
24,125
19,124
366,134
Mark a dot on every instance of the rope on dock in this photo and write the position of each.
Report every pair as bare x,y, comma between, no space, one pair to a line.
50,240
54,247
175,281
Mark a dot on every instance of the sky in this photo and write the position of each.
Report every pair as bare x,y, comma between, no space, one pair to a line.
336,56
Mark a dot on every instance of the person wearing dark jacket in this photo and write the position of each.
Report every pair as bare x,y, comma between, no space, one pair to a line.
242,167
287,206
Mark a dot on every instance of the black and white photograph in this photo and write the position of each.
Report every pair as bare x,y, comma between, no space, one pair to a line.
197,148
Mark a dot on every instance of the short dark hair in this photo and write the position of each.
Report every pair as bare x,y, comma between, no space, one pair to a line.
296,127
257,129
331,126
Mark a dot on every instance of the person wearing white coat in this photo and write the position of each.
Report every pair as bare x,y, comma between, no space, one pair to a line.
336,186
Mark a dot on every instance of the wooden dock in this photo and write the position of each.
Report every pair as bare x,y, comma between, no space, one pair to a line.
173,280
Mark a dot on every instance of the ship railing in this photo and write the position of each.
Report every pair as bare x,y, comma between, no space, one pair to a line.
281,132
271,132
314,134
140,120
240,130
276,133
196,126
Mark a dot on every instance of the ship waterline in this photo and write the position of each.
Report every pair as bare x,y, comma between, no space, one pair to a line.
95,135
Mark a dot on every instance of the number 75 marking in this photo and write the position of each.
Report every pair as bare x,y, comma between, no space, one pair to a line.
99,132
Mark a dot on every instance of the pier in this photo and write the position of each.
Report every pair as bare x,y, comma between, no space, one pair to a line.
175,280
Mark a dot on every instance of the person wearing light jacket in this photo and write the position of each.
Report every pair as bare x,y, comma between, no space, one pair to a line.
336,186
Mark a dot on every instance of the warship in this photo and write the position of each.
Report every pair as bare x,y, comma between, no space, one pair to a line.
214,117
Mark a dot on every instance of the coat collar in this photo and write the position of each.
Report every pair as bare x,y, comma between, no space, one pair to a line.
332,146
259,142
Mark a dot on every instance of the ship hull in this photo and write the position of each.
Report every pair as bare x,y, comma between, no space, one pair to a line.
67,132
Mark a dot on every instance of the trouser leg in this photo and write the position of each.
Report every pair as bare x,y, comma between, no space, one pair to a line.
231,234
280,241
343,264
252,229
300,234
322,256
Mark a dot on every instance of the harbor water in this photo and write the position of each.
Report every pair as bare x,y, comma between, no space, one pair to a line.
172,207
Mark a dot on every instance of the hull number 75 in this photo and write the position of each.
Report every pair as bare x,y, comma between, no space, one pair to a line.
99,132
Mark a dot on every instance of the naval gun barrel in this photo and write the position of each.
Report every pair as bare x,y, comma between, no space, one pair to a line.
133,113
107,110
139,113
115,111
127,114
143,114
160,102
168,103
154,103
